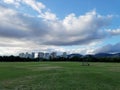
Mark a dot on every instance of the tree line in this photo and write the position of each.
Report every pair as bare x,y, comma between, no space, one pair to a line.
88,58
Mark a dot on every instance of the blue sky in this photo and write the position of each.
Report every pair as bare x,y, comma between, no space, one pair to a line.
62,8
80,26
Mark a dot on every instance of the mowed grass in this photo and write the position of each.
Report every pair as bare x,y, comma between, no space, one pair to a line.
59,76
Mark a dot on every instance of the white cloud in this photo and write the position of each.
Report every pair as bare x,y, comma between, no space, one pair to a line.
48,16
114,31
48,30
78,30
9,1
38,6
72,30
14,2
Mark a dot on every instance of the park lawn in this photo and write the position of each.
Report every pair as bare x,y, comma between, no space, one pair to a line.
59,76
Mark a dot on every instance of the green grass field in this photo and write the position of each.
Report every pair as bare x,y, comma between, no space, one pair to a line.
59,76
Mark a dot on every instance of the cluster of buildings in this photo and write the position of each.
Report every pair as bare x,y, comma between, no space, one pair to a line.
41,55
27,55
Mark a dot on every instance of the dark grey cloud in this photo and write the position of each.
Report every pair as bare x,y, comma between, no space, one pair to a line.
109,48
10,32
17,25
65,41
72,30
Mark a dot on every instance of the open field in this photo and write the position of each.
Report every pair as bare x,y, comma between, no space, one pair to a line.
59,76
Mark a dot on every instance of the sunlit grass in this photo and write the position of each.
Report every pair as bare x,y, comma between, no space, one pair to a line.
59,76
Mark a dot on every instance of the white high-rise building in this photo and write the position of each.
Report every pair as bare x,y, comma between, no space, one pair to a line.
46,55
64,55
32,55
22,55
40,55
53,55
27,55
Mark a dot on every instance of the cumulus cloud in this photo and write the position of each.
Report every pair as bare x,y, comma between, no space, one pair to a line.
48,30
71,30
14,2
114,32
78,30
10,25
14,24
38,6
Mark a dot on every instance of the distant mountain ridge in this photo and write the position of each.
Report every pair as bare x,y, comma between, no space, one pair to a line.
95,55
107,55
74,55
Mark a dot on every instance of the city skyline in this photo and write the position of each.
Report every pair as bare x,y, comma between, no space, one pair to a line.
85,27
41,55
